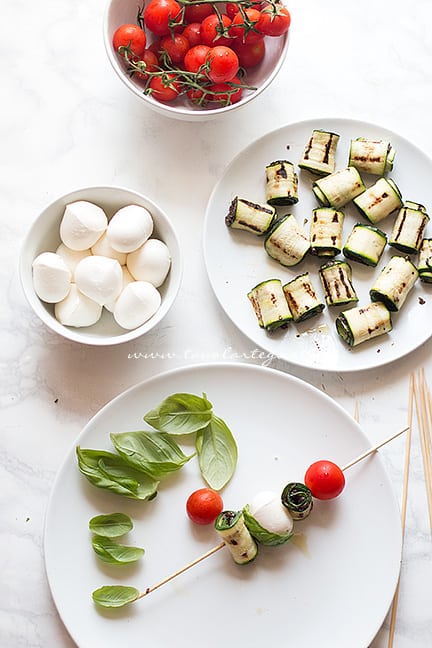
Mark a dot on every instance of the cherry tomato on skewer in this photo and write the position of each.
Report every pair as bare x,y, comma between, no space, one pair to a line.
324,479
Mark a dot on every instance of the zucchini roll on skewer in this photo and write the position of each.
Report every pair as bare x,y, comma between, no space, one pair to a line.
394,282
379,201
287,242
269,523
365,244
231,527
326,231
250,216
363,323
336,190
336,279
282,183
371,156
297,498
319,153
424,266
408,228
302,298
269,303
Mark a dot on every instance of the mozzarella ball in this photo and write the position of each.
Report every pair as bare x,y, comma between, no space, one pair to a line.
99,278
151,262
83,223
129,228
71,257
77,309
51,277
127,279
270,513
103,247
137,303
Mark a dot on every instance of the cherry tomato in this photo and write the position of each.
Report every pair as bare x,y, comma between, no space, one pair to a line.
196,57
151,61
193,33
274,21
215,31
197,13
226,93
204,505
160,15
130,36
324,479
165,88
232,8
223,64
243,26
176,46
250,54
198,97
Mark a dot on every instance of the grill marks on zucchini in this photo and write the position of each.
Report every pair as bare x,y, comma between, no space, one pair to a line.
281,183
408,228
287,242
231,527
360,324
339,188
424,266
371,156
394,283
302,299
250,216
336,279
379,201
319,154
269,303
365,244
326,231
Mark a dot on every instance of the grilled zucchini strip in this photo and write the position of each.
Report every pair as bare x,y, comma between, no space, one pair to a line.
359,324
424,266
336,279
326,231
394,282
379,201
281,183
297,498
371,156
365,244
250,216
408,228
336,190
231,527
302,299
269,303
319,153
287,242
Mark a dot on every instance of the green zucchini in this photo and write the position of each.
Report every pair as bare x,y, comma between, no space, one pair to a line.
371,156
287,242
281,183
362,323
394,282
250,216
379,200
302,298
297,498
424,266
365,244
231,528
339,188
269,303
336,279
319,154
326,231
408,228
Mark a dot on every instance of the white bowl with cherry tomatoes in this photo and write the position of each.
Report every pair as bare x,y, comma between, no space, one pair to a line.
195,60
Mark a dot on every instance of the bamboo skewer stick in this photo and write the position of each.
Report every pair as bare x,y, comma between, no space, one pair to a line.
374,449
425,442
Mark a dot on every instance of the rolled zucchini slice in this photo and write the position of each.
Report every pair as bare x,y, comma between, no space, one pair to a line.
371,156
336,279
365,244
408,228
269,523
302,299
231,528
360,324
339,188
281,183
287,242
424,266
394,282
250,216
270,305
297,498
326,231
379,201
319,154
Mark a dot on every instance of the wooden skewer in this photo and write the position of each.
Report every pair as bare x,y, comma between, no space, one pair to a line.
420,394
373,449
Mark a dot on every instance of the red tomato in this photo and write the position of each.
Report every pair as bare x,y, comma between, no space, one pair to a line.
274,21
204,505
197,97
250,54
151,61
223,64
325,480
165,88
197,13
243,26
161,15
130,36
193,33
176,47
232,8
196,57
215,30
226,93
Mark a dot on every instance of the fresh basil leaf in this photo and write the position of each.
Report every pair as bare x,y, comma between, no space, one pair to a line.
115,595
111,525
180,414
262,535
217,453
155,453
114,553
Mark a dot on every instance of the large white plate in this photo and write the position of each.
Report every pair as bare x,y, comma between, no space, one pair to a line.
334,589
236,260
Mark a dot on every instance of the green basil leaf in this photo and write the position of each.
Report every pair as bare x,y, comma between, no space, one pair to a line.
155,453
114,553
115,595
180,414
111,525
217,453
262,535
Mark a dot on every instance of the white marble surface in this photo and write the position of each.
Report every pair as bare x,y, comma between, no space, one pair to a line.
67,122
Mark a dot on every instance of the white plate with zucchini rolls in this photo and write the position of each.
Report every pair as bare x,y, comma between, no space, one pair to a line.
318,244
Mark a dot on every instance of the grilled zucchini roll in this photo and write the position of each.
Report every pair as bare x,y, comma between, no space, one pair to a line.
336,190
371,156
379,201
231,527
281,183
424,266
297,498
408,228
269,303
365,244
319,154
287,242
250,216
394,282
336,279
302,298
326,231
359,324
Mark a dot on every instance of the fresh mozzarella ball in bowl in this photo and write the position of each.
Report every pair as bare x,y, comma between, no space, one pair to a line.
127,279
151,262
103,247
129,228
270,513
71,257
137,303
83,223
77,309
99,278
51,277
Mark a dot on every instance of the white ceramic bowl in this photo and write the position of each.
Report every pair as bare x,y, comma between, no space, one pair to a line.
44,236
119,12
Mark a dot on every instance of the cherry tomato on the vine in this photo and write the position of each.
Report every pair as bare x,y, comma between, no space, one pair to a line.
197,13
226,93
165,88
243,26
175,46
151,64
162,15
223,64
232,8
193,33
196,57
324,479
130,36
204,505
274,21
250,54
215,30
